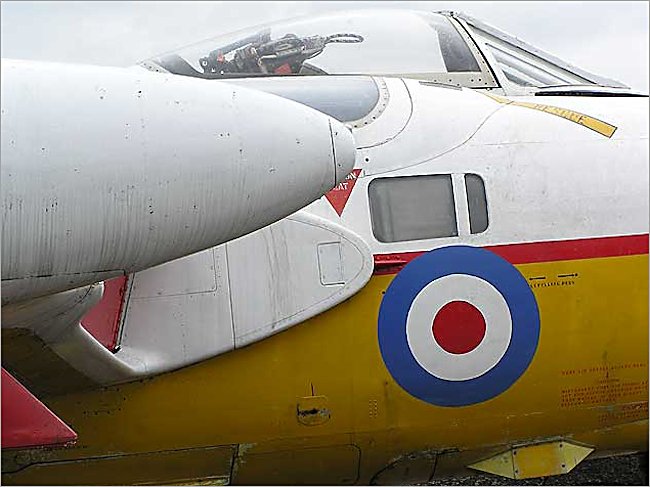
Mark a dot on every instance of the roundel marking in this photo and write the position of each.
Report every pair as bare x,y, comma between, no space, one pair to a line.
458,326
431,355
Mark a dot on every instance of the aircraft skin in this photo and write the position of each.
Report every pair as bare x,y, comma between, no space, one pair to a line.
322,350
348,395
107,171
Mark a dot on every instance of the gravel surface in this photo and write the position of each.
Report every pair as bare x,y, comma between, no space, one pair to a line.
622,470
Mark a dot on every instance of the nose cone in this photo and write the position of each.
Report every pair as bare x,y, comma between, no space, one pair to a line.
343,149
196,163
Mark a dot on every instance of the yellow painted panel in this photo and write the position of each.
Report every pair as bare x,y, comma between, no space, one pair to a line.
415,468
501,464
629,437
185,466
589,373
537,460
545,459
332,465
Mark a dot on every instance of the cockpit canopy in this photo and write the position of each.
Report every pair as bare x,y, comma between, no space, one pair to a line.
439,47
387,43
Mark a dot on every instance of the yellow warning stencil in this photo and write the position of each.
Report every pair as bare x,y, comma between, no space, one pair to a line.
592,123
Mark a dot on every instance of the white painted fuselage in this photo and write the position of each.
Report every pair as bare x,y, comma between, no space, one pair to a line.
107,171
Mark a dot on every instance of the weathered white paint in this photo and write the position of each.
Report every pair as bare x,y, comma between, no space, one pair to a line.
442,119
53,323
546,178
179,313
170,332
264,283
107,171
57,310
390,121
276,279
214,301
330,265
189,275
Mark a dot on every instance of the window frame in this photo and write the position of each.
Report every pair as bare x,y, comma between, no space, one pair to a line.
454,205
478,31
461,209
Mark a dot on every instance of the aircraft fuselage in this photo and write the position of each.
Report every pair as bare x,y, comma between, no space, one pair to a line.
554,256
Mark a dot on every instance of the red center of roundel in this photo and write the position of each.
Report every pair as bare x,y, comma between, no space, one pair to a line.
458,327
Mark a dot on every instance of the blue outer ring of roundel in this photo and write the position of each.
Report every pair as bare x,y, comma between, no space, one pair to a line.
457,259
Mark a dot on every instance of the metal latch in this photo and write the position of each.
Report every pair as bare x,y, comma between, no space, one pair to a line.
312,410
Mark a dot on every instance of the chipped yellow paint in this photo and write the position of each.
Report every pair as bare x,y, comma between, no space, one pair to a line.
173,467
210,481
592,123
312,410
535,460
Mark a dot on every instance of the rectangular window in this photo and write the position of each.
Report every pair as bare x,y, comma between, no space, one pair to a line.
476,203
412,208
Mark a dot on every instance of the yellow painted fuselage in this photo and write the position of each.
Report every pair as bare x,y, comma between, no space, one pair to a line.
316,404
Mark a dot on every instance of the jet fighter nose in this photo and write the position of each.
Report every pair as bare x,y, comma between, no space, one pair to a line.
343,149
186,164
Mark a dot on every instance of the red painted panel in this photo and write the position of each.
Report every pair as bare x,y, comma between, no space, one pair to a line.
526,253
393,263
458,327
588,248
103,320
26,421
338,196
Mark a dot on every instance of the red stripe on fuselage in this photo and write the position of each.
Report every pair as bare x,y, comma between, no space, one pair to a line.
528,253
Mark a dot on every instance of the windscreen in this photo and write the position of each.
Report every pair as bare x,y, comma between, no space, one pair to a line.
524,65
362,42
525,69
